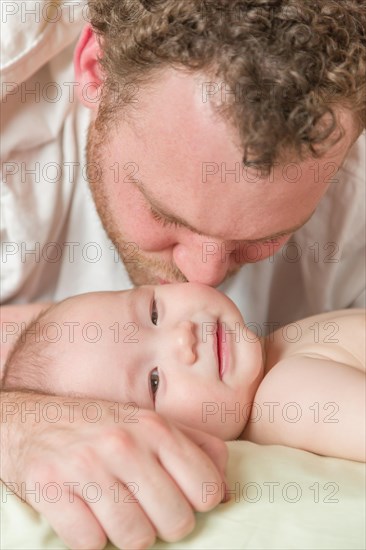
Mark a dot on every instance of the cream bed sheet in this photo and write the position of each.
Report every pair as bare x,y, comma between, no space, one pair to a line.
282,499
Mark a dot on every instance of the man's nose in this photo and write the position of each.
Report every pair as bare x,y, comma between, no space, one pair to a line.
203,260
185,342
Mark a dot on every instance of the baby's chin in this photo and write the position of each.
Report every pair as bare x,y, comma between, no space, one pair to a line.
229,428
234,433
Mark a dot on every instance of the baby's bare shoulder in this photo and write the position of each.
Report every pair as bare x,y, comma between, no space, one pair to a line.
338,336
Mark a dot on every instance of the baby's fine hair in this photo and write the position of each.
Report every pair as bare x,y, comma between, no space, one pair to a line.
29,360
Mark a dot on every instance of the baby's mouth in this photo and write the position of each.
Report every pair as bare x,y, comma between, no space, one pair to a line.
222,349
219,348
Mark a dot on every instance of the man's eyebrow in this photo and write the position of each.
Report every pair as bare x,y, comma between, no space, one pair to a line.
172,218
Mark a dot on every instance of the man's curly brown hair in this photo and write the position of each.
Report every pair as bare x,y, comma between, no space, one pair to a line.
288,62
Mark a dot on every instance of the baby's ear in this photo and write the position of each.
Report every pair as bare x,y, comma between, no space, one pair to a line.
87,69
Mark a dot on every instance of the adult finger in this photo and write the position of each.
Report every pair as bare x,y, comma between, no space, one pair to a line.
70,517
149,481
118,510
212,446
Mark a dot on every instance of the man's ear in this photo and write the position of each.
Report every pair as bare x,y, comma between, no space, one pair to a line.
87,69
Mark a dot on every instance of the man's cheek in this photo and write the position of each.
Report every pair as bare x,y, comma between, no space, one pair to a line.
146,234
272,247
256,252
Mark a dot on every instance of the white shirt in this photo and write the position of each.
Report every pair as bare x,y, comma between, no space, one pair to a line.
53,244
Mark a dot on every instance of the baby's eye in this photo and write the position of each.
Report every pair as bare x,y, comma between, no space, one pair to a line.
154,313
154,381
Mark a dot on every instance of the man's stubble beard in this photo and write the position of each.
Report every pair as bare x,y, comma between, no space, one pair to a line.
141,269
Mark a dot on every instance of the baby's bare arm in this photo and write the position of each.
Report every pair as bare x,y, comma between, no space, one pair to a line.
313,394
317,405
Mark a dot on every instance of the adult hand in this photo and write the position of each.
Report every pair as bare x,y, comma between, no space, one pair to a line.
96,469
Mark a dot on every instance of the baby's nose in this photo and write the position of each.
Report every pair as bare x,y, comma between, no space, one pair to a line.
186,341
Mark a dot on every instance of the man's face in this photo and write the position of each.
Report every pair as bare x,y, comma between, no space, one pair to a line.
172,155
182,350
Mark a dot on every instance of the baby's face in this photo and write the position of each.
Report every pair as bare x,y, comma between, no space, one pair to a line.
181,349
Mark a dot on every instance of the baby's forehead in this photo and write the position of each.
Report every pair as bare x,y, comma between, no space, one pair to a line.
91,305
82,318
90,299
